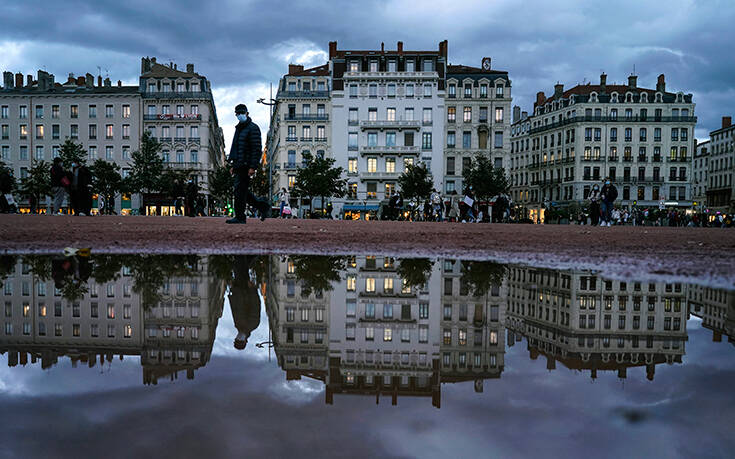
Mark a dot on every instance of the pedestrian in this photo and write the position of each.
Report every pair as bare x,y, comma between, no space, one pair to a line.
285,200
453,209
469,200
594,198
244,300
59,185
190,198
608,195
244,159
436,205
81,182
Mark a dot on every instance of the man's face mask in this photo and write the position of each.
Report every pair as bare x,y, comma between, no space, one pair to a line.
242,116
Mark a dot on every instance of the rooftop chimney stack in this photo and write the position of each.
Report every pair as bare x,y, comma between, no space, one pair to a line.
540,98
189,68
29,79
443,45
558,91
295,68
516,113
400,47
8,80
524,115
99,81
81,81
332,49
119,84
145,65
89,80
382,46
108,83
726,122
603,83
661,83
633,81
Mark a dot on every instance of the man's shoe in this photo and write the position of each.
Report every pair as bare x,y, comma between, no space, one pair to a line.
235,221
265,213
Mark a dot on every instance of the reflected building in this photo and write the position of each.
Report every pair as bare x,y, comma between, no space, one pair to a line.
716,308
92,322
588,323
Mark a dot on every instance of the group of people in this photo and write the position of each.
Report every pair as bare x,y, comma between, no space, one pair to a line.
602,203
454,209
76,184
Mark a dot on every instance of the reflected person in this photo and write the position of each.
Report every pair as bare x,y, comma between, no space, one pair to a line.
244,300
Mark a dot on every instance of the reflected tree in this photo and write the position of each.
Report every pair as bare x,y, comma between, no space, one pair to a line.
7,265
317,272
150,273
481,276
415,271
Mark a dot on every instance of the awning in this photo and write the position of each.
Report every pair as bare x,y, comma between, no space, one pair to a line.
359,207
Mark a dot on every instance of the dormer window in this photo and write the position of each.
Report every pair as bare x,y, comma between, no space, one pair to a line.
593,97
392,66
373,66
658,97
644,97
629,97
354,66
614,97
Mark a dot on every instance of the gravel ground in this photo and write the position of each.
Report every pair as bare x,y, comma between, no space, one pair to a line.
702,255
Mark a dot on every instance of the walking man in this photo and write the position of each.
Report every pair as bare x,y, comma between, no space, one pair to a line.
608,195
244,159
58,178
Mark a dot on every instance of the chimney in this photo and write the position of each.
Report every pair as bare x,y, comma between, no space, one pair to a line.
189,68
119,84
99,80
443,48
726,122
603,83
400,47
145,65
18,80
540,98
332,49
661,83
8,80
632,81
81,81
108,83
71,79
89,80
29,79
382,46
524,115
558,91
44,81
294,68
516,113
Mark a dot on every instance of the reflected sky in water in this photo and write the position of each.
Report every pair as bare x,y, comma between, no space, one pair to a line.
529,395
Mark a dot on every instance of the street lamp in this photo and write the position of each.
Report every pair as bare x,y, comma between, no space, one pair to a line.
271,103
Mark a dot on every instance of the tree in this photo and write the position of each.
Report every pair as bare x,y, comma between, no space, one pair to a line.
106,181
71,152
147,167
221,185
416,182
173,182
259,184
317,272
486,181
480,276
415,271
37,184
320,178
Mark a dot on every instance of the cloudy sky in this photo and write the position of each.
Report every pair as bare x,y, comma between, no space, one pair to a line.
243,45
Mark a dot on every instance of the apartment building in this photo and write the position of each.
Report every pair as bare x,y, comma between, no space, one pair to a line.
37,116
720,194
109,319
641,138
716,308
180,113
700,174
478,102
300,122
593,324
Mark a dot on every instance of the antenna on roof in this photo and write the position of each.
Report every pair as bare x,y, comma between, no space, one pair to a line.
633,69
99,71
107,72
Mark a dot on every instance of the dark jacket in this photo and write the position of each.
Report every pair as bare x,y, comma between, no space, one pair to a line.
84,178
609,193
57,172
247,147
244,299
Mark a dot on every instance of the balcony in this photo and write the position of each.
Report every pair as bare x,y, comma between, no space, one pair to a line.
182,165
642,158
305,117
388,124
302,95
320,139
390,150
173,117
389,75
657,158
610,119
677,179
292,138
627,159
177,95
291,166
613,159
379,175
164,139
594,158
179,139
306,139
194,139
679,159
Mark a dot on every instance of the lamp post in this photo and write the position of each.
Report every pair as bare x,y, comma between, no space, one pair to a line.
271,103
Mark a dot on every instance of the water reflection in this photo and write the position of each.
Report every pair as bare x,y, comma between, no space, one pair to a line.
366,326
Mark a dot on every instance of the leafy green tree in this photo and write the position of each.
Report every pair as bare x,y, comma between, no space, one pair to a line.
480,276
150,272
37,184
7,179
317,272
486,181
221,185
147,167
415,271
71,152
173,182
259,183
319,178
106,181
416,182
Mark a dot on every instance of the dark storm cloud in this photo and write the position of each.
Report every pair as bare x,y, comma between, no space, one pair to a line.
239,43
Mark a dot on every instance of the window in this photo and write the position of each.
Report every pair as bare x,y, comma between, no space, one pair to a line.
498,139
387,335
499,115
498,91
109,131
426,141
467,139
467,114
452,91
451,139
409,90
427,90
390,165
427,116
372,165
387,311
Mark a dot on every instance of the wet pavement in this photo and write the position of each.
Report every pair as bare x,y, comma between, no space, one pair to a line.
357,356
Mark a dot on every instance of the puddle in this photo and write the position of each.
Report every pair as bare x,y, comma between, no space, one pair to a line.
329,356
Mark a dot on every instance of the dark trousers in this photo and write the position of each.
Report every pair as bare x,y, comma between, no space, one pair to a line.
243,196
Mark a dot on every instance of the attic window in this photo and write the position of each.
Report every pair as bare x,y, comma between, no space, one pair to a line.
615,97
629,97
658,97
